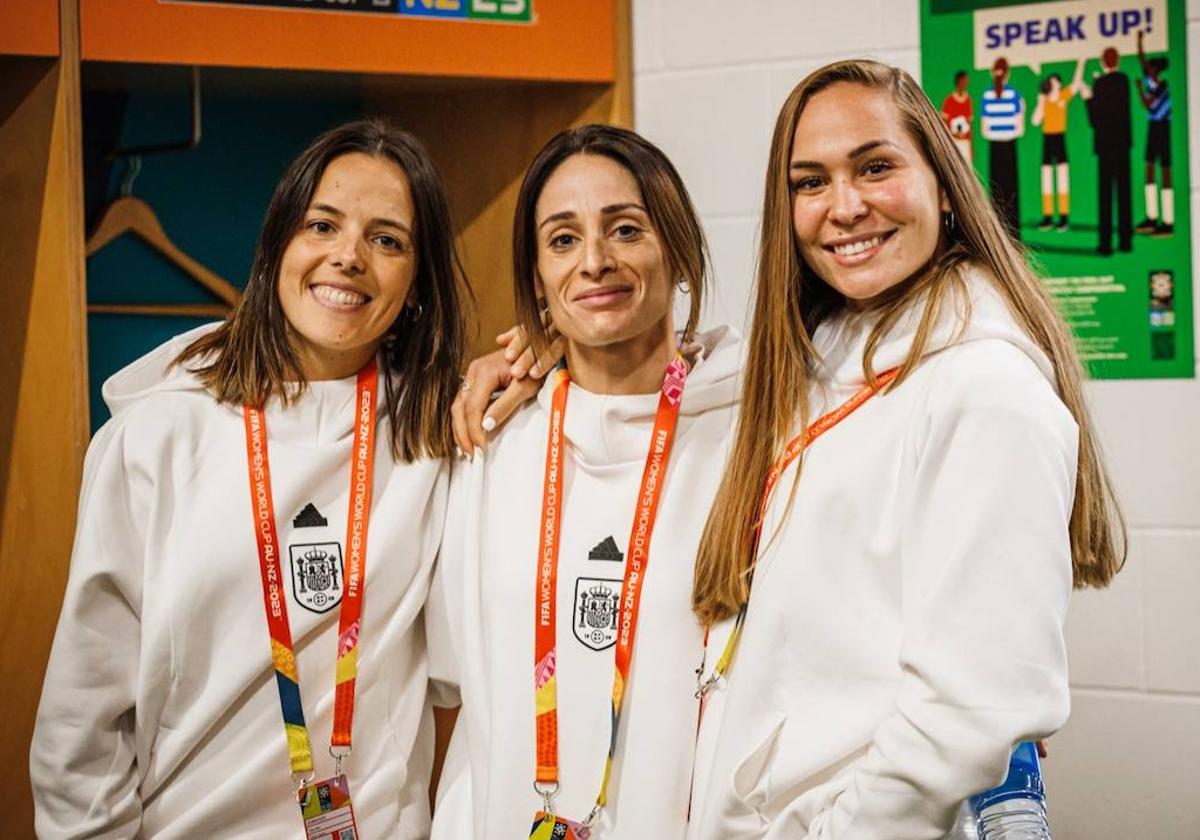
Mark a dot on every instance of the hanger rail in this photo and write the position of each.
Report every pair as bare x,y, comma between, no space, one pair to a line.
188,310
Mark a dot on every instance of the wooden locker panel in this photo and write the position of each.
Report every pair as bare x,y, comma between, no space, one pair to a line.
43,370
28,27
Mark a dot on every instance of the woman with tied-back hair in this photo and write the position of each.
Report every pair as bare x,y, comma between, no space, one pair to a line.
261,513
890,617
570,540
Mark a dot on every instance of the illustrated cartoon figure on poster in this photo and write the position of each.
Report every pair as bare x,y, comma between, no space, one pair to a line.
1002,121
957,113
1156,97
1051,114
1108,112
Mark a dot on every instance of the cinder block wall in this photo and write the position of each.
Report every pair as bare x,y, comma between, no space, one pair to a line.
709,79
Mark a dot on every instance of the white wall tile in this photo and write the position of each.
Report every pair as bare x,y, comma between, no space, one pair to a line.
1149,433
712,32
647,50
711,125
732,244
900,25
1172,585
1125,768
1193,9
1106,637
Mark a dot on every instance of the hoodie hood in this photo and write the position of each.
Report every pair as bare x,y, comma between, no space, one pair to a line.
613,429
323,414
153,373
978,315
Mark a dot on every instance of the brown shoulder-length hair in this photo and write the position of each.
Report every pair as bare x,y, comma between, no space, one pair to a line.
792,301
250,358
667,204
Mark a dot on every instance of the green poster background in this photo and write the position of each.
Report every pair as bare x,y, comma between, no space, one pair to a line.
1106,299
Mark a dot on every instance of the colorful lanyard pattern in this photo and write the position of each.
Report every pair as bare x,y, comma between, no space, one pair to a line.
275,596
797,445
637,561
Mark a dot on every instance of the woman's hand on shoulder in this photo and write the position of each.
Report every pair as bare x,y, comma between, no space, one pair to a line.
514,372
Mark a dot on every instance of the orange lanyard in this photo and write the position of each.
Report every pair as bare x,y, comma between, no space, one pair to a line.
637,561
795,446
275,596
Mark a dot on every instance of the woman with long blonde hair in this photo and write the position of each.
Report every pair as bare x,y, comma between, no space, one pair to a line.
913,489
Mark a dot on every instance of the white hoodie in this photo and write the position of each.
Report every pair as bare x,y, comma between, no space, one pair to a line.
160,715
481,614
905,627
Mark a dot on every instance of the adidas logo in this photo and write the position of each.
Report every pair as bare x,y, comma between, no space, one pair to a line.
310,517
606,549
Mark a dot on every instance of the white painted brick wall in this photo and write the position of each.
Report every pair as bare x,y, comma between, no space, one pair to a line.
709,76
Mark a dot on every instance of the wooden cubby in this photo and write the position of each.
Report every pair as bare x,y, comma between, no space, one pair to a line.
483,96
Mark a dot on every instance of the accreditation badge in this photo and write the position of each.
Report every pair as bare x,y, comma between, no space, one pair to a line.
327,811
551,827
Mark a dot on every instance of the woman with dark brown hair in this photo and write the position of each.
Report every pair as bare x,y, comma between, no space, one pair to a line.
574,534
261,513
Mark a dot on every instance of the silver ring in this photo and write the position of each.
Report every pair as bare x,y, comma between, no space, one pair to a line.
465,386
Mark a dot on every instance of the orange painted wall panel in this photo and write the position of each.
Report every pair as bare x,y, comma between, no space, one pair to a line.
569,39
29,27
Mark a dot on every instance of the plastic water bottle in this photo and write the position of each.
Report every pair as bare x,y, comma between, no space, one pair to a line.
1016,810
964,825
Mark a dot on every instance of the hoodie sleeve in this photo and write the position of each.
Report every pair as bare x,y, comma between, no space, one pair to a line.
443,662
83,759
986,576
443,609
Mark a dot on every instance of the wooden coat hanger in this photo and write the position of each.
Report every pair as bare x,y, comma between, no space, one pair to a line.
133,215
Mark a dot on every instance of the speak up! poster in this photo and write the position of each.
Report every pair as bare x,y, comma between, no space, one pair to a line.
1074,115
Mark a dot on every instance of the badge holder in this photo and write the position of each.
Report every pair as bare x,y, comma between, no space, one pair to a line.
325,806
549,826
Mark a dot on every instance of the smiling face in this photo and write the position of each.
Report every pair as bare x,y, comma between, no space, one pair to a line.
348,271
600,264
866,206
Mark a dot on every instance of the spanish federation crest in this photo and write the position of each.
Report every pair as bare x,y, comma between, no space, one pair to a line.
596,603
317,575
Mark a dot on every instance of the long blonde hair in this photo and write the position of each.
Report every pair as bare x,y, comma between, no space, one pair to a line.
792,301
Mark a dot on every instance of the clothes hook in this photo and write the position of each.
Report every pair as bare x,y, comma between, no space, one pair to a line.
175,146
131,173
